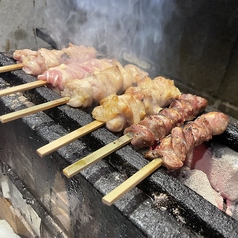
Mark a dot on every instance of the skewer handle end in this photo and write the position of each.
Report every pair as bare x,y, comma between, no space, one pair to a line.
130,183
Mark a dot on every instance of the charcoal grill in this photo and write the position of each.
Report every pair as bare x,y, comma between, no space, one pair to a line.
73,207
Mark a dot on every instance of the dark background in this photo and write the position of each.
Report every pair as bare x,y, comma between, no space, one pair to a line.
192,42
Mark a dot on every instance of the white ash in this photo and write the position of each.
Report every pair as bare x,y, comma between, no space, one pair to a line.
161,200
198,182
213,173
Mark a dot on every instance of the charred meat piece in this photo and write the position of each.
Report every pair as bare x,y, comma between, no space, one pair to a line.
176,147
155,127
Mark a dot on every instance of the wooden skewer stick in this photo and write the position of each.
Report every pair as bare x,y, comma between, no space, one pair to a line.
8,68
22,87
81,164
31,110
131,182
56,144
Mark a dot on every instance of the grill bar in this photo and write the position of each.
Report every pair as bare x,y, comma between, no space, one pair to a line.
186,212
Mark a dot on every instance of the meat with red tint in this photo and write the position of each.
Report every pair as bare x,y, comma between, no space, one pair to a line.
181,142
185,108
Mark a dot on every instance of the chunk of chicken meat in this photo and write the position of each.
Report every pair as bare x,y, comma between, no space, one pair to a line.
148,97
92,89
176,147
58,75
37,62
155,127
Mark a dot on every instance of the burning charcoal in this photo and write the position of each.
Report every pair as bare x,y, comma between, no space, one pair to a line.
198,182
220,163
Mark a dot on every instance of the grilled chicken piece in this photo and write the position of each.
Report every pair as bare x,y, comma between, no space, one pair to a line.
147,98
155,127
176,147
57,76
92,89
37,62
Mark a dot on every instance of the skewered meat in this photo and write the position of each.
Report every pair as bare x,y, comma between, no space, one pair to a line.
147,98
57,76
37,62
92,89
155,127
174,148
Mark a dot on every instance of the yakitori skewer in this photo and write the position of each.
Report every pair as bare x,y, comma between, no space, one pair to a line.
57,76
80,61
131,182
64,140
73,169
183,109
37,62
128,105
31,110
23,87
174,149
12,67
91,89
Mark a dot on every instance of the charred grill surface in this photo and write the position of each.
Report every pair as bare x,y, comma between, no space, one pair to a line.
188,210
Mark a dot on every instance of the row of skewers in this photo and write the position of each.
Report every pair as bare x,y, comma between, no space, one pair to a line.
150,113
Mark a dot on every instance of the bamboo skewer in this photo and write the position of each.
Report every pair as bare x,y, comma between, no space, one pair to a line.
131,182
31,110
8,68
81,164
56,144
23,87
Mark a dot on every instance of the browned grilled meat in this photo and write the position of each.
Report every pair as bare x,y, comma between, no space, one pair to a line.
148,97
155,127
176,147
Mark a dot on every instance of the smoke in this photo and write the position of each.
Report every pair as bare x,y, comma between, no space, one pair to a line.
131,30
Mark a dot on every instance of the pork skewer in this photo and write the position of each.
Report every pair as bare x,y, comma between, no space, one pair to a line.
174,149
176,115
127,108
89,90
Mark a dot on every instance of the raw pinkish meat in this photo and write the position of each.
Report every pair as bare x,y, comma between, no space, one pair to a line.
58,75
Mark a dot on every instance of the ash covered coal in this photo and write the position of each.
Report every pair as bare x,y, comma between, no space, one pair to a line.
212,172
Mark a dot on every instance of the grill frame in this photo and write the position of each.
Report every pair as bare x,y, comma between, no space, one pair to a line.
194,216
